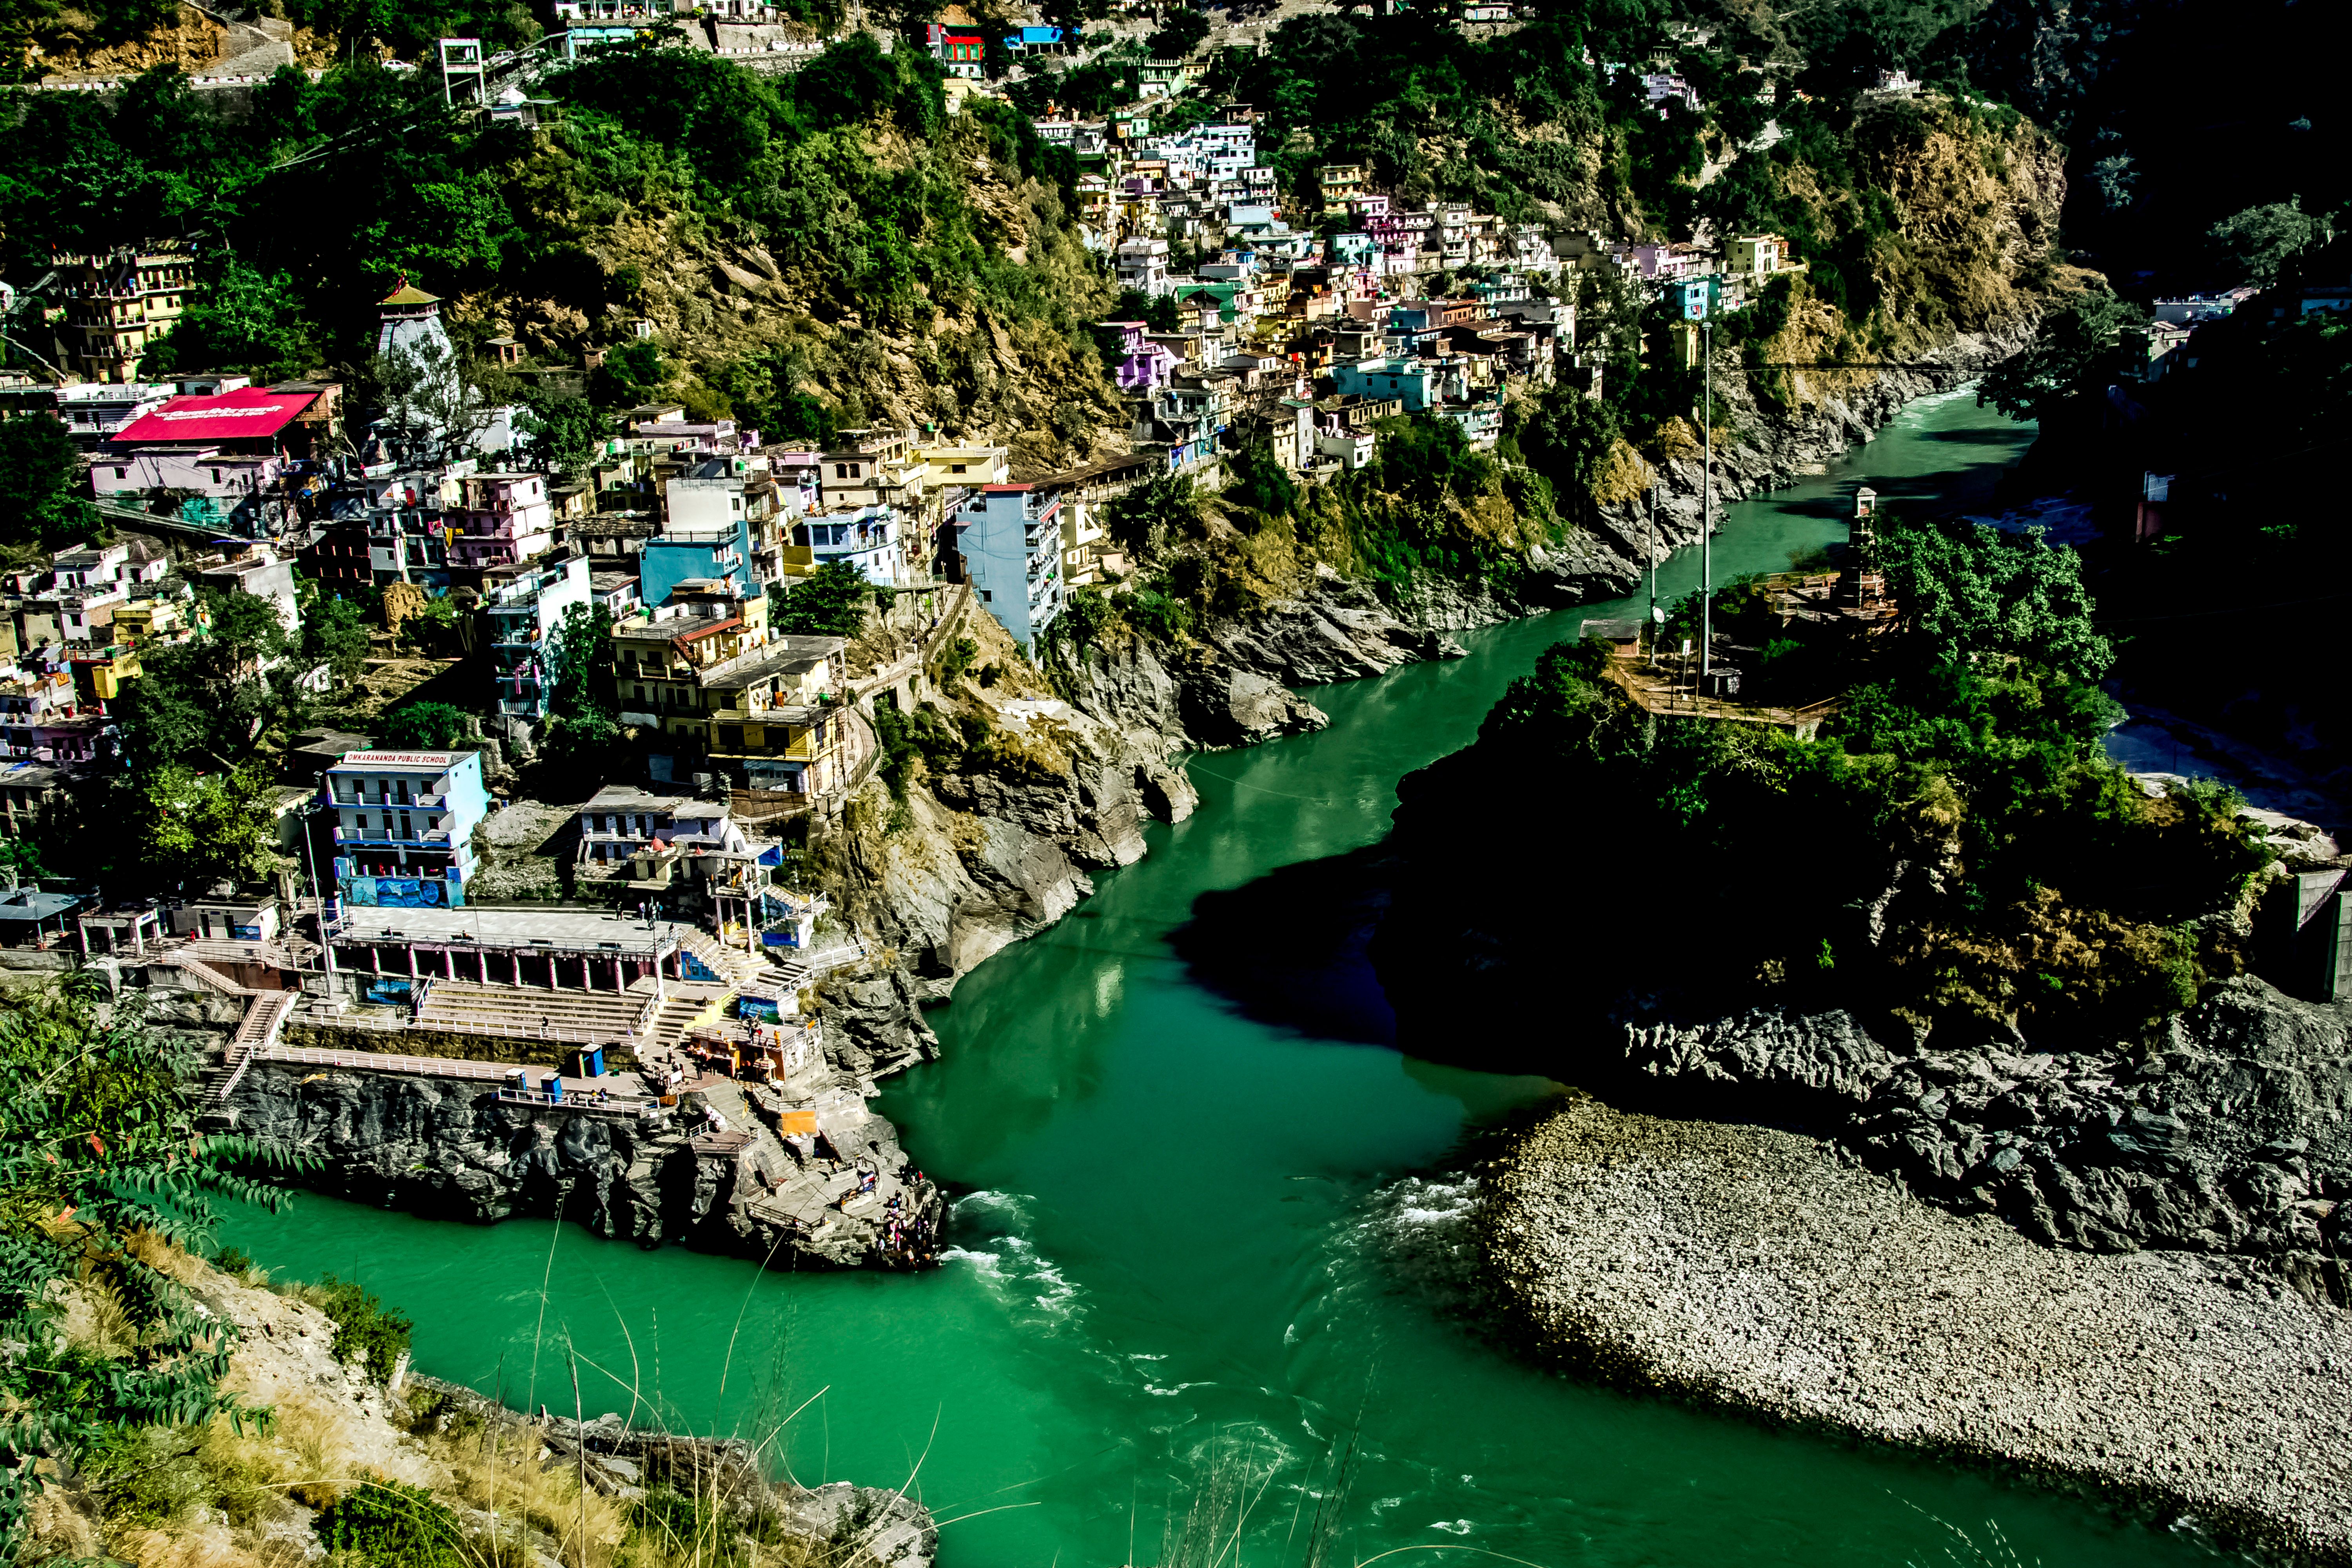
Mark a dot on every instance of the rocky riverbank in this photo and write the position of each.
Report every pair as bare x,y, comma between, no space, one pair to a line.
1756,1271
450,1147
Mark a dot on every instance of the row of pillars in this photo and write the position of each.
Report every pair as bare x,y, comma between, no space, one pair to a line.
524,968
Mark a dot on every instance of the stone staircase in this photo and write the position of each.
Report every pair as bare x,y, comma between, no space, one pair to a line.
587,1017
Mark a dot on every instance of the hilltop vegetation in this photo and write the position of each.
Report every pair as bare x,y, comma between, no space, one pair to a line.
1953,852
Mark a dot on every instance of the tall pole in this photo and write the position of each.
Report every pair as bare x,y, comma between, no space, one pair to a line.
1706,508
1652,494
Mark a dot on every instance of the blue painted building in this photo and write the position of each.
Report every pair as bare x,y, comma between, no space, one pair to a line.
403,826
714,550
1011,537
1415,381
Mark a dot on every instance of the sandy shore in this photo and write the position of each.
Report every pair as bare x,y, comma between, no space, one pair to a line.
1752,1270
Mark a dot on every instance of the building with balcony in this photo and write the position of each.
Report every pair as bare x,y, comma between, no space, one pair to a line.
401,826
866,537
44,718
92,411
622,822
522,609
727,694
501,520
712,494
1011,537
118,302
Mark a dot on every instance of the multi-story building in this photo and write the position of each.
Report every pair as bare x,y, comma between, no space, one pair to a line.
118,302
621,822
715,492
523,606
1011,537
45,718
501,518
866,537
402,831
727,694
94,411
1142,265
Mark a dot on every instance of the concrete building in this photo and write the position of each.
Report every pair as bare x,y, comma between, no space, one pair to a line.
1011,537
524,605
118,302
501,519
727,694
403,826
622,822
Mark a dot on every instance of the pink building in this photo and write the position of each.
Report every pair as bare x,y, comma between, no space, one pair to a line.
505,519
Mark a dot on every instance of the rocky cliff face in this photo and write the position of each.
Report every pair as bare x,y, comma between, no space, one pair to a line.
450,1147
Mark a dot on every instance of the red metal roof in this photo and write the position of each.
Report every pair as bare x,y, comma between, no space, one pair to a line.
245,414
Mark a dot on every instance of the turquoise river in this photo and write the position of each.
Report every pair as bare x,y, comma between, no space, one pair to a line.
1190,1243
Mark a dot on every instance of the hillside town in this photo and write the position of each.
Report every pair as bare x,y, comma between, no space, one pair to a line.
665,971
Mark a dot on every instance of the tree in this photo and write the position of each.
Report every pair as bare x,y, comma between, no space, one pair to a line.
1255,479
204,704
425,727
335,634
2256,244
582,679
244,320
1144,519
2072,345
829,602
1969,590
631,374
567,433
41,481
1156,311
103,1166
198,829
1179,35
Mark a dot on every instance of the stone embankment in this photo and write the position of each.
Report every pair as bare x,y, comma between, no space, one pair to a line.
1755,1270
454,1148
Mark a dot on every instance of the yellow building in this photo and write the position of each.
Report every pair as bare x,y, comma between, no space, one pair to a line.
118,302
731,696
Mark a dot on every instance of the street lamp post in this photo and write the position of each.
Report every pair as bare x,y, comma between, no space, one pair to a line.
1706,502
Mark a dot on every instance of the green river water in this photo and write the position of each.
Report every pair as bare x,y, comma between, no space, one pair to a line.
1185,1233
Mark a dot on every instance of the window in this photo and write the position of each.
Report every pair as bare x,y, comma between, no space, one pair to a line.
986,598
119,473
952,468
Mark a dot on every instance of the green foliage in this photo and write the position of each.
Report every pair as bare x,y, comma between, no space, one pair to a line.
2052,863
365,1328
1144,517
335,634
1157,312
42,501
207,704
567,433
2256,245
832,601
100,1158
631,374
2067,360
240,319
198,829
906,737
1564,436
425,727
1179,35
389,1524
1970,591
956,660
1255,479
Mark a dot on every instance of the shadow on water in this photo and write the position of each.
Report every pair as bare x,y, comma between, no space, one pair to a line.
1289,948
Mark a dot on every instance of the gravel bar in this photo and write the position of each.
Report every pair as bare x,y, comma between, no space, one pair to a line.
1753,1269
